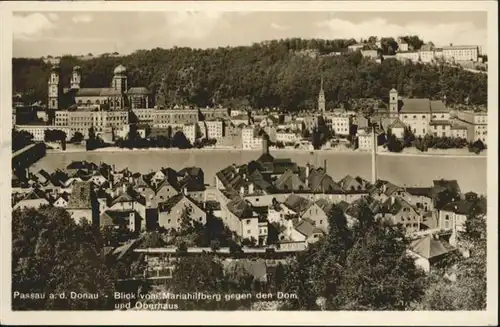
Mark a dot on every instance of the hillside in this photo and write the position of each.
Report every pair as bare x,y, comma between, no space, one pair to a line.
269,74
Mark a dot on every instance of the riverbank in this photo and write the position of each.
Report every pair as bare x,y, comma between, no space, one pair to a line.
406,152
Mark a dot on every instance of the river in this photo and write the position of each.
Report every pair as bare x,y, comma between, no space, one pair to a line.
470,171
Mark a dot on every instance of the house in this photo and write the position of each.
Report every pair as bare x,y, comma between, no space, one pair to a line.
129,200
420,197
400,212
318,214
296,205
240,218
82,203
397,128
62,200
429,250
130,219
353,211
34,199
164,191
170,212
453,216
258,269
300,230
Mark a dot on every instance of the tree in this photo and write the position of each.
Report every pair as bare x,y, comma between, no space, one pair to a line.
180,141
20,139
198,274
77,138
52,254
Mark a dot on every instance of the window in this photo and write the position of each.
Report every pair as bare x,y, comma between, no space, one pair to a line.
321,222
168,221
248,221
423,116
414,117
249,231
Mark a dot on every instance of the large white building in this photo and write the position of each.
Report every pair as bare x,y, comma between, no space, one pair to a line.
461,52
250,139
476,124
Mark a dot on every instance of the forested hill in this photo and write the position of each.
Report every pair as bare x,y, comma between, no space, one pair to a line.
270,74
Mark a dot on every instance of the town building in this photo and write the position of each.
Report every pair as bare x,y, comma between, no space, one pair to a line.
38,131
170,212
250,138
413,56
422,116
476,124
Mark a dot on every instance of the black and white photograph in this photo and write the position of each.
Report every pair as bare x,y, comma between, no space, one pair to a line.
310,157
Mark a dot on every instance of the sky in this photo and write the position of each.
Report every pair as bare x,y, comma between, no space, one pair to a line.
38,34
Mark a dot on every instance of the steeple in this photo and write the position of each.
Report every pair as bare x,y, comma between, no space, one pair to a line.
321,97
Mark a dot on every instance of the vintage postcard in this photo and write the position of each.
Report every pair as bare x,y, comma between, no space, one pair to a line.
319,162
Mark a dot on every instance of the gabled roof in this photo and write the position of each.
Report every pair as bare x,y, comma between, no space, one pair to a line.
306,228
415,106
429,247
297,203
321,182
240,208
419,191
325,205
289,181
35,194
462,207
138,91
397,123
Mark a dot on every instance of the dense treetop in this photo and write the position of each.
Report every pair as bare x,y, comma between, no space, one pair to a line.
268,74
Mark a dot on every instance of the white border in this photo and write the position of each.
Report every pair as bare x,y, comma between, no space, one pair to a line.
488,317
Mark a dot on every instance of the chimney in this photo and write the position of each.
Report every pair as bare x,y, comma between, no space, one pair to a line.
324,165
242,190
250,188
124,188
131,221
384,188
393,199
185,190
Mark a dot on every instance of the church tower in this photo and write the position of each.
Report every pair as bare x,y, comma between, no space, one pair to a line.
393,103
76,78
54,88
321,98
120,79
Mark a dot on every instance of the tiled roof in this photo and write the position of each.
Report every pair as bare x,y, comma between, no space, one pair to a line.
438,106
306,228
419,191
325,205
290,182
430,247
98,92
462,207
240,208
397,124
415,106
138,91
297,204
81,196
439,122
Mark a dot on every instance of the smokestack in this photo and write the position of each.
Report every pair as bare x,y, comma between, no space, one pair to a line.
265,145
374,156
324,165
308,168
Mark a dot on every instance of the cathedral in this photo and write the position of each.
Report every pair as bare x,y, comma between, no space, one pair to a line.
118,96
